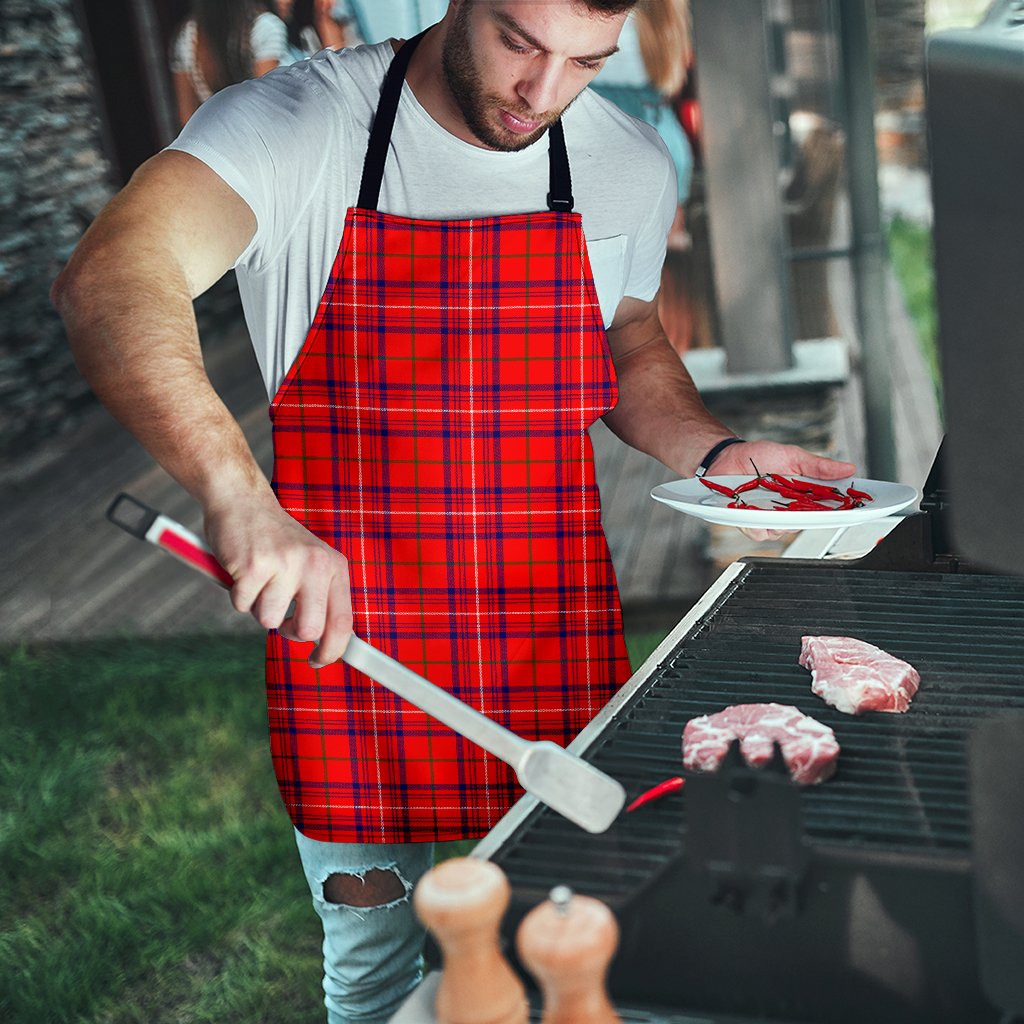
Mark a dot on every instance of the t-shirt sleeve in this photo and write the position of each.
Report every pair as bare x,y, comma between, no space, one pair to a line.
269,38
652,234
268,139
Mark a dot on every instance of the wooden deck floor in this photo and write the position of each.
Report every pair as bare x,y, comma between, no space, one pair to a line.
68,574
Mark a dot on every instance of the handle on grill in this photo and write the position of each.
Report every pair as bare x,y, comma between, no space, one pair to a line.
567,784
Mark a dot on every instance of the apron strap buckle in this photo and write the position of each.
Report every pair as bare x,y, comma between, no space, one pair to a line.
560,204
560,181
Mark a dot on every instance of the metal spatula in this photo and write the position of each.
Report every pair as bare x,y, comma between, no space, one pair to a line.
575,789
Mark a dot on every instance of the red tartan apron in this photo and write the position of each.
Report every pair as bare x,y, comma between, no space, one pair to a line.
434,429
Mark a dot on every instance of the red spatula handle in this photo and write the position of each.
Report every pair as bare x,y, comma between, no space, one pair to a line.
147,524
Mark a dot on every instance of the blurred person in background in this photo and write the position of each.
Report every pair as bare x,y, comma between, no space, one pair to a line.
221,43
373,21
314,25
646,79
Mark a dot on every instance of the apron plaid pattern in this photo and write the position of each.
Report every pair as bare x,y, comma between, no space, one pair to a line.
434,430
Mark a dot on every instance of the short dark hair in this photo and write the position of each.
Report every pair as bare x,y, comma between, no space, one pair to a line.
609,6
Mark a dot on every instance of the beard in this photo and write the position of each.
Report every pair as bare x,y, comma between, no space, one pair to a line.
477,105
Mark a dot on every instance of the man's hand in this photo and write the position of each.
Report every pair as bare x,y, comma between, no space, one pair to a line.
772,457
276,561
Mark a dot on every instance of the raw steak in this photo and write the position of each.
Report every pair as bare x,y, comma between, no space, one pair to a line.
855,677
809,748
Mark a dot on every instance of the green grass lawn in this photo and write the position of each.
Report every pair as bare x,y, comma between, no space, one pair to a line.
147,867
910,249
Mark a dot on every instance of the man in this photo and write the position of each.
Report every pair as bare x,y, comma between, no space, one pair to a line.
433,473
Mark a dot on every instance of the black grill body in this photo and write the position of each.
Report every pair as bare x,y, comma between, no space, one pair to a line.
746,896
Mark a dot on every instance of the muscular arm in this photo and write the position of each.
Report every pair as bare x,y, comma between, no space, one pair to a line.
126,299
659,410
661,413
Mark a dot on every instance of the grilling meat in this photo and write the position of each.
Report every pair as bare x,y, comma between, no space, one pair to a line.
809,748
855,677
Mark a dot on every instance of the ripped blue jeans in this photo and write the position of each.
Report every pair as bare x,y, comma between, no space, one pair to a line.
372,953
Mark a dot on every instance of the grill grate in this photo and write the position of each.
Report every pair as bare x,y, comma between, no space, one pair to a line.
901,786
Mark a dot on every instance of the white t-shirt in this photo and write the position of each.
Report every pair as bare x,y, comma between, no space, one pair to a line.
292,144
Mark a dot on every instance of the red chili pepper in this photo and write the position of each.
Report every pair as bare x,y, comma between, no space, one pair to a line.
721,488
789,492
749,485
809,487
771,484
862,495
656,793
793,485
807,505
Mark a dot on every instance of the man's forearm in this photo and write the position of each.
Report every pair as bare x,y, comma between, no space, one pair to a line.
660,411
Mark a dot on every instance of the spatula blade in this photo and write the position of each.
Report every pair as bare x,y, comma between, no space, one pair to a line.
571,786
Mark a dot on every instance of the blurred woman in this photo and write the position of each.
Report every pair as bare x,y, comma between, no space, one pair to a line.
648,72
313,25
646,78
224,42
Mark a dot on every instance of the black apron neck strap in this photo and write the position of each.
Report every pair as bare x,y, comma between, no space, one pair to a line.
383,122
560,185
560,194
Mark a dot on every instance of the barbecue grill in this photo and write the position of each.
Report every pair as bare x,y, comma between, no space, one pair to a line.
746,897
894,892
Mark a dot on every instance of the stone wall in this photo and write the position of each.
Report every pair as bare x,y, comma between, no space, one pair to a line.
53,180
899,54
899,81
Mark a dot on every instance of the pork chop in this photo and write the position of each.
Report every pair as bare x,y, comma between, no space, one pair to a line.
809,748
854,676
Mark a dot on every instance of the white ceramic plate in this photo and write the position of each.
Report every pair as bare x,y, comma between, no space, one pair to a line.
693,498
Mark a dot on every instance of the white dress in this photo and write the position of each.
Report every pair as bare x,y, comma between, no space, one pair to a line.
268,40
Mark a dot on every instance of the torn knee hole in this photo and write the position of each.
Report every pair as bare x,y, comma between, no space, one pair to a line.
373,889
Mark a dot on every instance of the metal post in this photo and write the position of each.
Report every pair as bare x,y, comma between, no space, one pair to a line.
867,239
154,63
748,243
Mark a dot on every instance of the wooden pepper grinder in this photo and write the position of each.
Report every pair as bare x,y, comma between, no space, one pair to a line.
567,943
462,901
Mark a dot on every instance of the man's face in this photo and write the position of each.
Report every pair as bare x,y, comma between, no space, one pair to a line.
513,66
